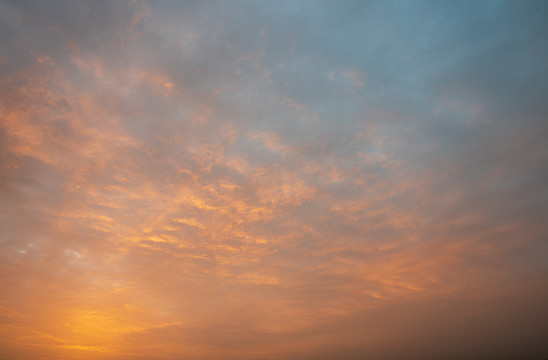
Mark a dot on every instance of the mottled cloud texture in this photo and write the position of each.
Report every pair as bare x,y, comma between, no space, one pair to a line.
273,180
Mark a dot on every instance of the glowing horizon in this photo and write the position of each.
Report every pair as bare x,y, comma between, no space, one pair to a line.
273,180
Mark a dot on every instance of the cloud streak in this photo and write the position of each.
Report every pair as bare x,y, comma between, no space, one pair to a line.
238,180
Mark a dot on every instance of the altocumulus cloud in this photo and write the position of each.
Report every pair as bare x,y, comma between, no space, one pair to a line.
273,180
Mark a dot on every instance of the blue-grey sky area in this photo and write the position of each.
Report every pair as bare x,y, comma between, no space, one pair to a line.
273,180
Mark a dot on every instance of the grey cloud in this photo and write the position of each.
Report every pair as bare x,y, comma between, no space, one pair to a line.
277,180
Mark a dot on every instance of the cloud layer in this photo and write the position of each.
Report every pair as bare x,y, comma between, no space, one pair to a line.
273,180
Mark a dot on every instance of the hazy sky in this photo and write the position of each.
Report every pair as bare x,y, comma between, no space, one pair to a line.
272,180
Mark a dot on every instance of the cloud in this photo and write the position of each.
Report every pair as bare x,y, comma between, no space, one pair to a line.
243,180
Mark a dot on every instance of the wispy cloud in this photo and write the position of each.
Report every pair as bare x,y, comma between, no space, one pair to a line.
247,180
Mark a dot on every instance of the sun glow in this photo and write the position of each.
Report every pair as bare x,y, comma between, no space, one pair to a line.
273,180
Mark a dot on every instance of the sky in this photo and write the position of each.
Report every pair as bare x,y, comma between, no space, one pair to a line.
273,180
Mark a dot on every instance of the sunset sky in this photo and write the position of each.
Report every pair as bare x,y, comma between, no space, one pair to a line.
273,180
